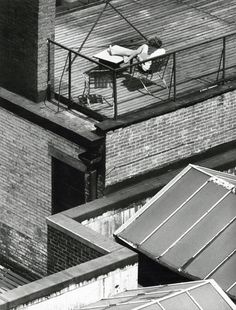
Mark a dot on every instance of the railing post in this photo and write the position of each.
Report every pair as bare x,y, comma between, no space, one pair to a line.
114,93
174,68
224,54
49,72
69,79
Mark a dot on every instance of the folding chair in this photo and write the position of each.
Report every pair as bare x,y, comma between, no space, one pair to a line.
157,71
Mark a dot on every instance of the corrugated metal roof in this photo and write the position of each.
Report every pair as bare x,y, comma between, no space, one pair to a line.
203,295
190,225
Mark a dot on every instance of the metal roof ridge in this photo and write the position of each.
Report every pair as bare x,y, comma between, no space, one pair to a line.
222,182
202,169
212,172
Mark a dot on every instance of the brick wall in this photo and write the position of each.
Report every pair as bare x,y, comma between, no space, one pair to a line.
167,138
25,189
25,26
65,251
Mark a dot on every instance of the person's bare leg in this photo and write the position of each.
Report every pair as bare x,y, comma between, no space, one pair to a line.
117,50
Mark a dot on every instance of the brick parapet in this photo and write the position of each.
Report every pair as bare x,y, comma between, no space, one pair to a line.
70,243
168,138
65,252
77,231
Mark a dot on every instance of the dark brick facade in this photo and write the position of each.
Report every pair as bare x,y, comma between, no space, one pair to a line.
25,187
65,251
17,248
25,26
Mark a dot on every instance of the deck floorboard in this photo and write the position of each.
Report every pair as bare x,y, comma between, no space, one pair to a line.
180,24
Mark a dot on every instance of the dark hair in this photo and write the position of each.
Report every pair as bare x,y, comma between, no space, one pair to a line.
154,41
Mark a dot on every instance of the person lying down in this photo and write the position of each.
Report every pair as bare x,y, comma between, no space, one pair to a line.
152,48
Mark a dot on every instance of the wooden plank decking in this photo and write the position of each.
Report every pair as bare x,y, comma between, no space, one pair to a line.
180,24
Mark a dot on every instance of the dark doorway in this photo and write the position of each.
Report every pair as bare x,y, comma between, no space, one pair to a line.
58,2
68,186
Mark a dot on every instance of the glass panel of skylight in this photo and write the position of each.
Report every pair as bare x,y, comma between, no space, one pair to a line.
184,218
222,246
202,233
164,206
225,275
179,302
208,298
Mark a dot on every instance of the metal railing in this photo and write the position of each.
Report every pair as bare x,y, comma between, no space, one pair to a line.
194,68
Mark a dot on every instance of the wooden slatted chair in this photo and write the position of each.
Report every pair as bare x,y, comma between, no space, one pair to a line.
156,72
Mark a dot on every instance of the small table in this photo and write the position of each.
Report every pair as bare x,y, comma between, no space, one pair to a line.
104,57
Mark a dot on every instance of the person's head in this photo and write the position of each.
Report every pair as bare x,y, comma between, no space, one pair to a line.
154,41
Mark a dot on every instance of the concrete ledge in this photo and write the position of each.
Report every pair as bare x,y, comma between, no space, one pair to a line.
164,108
221,157
74,275
116,261
83,234
64,124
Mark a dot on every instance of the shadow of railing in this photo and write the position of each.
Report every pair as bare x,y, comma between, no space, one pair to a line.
101,90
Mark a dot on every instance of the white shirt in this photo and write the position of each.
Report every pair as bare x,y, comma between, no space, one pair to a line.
146,66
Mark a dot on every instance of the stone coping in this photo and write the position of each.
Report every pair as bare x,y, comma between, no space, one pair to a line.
54,283
220,157
115,256
68,123
81,233
155,110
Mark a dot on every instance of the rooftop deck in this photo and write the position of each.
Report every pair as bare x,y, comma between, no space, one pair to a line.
182,25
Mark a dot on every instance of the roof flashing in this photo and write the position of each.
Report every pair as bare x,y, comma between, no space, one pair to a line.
227,185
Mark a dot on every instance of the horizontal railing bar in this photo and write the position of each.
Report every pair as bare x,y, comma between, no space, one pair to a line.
141,62
181,49
204,42
81,55
137,63
176,51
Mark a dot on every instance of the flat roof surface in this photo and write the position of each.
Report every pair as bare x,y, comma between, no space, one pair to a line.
179,24
190,226
203,295
70,119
